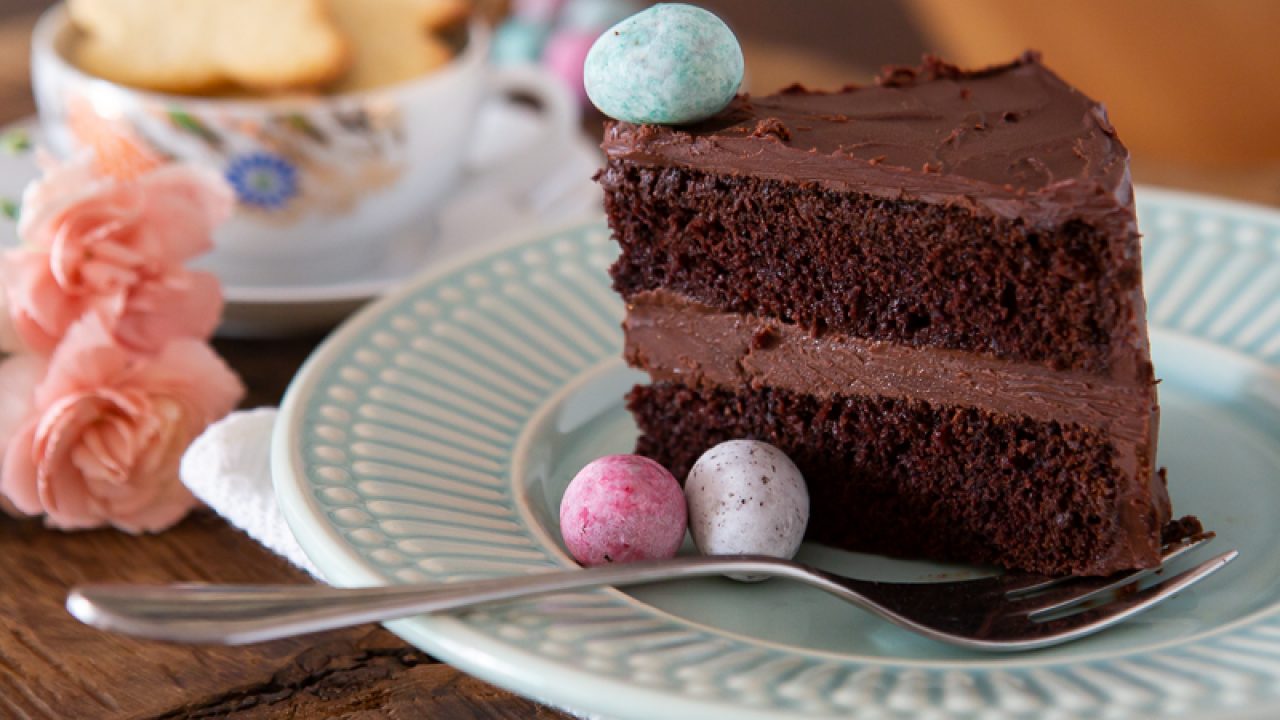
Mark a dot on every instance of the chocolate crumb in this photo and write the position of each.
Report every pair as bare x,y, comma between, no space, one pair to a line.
897,77
771,127
764,337
1182,528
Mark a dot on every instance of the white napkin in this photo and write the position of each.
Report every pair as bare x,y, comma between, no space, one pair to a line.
229,469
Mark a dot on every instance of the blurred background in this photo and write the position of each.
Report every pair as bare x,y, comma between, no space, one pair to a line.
1191,85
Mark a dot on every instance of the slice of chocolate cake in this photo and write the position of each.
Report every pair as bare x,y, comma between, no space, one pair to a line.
927,292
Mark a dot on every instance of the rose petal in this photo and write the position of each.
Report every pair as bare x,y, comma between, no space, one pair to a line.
185,203
192,372
63,185
184,304
40,310
61,486
165,510
104,456
88,358
18,478
19,376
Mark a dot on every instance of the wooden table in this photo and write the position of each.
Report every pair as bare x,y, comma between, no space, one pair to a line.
53,667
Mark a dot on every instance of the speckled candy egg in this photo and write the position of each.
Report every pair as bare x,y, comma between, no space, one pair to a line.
670,64
747,497
622,508
563,57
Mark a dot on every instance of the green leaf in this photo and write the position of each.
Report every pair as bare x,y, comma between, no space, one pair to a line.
15,142
9,208
187,122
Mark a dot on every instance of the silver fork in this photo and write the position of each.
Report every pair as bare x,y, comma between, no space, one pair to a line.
1008,612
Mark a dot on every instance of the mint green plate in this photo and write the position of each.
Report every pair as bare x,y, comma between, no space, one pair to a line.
431,437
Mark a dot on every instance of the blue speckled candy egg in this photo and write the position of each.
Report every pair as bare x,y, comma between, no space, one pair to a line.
671,64
518,40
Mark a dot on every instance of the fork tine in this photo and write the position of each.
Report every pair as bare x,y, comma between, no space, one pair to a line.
1080,590
1075,593
1017,585
1088,622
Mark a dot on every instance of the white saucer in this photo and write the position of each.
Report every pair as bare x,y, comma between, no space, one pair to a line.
488,204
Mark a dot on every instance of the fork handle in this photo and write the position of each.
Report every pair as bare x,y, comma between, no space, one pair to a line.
240,614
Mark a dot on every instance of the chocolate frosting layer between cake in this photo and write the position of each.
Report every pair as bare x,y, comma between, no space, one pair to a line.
681,339
1014,141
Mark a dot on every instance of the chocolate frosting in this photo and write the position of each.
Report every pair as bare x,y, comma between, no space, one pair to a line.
677,339
1013,140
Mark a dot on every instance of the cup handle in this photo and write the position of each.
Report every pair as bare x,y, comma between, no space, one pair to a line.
558,109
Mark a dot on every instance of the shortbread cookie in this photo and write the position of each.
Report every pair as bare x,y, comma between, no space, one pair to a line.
394,40
197,46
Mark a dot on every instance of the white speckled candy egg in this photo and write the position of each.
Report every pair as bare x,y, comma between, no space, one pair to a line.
670,64
747,497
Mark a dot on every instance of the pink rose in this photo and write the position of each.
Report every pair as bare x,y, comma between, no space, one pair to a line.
10,340
115,247
99,439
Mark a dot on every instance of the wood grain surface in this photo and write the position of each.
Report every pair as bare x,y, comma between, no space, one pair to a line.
53,667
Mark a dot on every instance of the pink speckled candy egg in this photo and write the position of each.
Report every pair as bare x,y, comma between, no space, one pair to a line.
564,56
622,508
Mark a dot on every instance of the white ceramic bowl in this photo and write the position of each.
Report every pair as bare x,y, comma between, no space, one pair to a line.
322,181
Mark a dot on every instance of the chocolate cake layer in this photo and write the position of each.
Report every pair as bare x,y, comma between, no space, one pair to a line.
904,271
989,211
909,478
